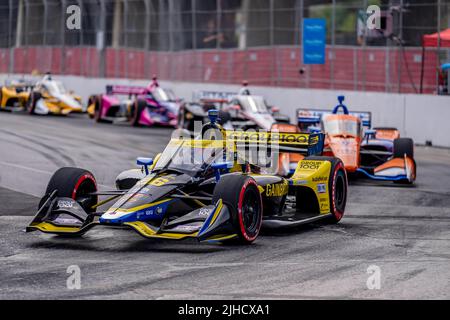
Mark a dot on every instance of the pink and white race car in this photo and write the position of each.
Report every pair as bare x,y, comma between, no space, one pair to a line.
141,106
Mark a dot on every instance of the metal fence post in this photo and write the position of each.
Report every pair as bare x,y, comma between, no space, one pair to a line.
333,43
218,22
399,49
125,38
439,40
25,42
101,30
44,25
194,24
80,4
147,38
272,40
10,42
63,37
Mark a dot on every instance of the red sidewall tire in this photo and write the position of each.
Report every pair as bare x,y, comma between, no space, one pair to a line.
337,209
249,238
73,183
234,190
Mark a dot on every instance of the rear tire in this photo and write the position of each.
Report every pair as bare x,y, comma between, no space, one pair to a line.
241,195
403,146
98,109
74,183
139,107
337,187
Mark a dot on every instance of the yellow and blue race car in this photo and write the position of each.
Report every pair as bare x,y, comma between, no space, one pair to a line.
211,188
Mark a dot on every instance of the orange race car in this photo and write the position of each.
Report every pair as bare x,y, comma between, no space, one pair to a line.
379,154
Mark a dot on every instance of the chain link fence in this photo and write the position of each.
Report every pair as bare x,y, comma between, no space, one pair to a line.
226,41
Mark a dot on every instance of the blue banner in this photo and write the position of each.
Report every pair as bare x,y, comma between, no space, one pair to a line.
314,38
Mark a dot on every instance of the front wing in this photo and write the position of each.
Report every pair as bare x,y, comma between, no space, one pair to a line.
64,216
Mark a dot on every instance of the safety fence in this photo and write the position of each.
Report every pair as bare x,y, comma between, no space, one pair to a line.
348,68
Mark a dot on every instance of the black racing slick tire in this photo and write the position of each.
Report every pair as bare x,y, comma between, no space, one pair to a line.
337,187
241,195
74,183
138,108
98,109
32,100
403,146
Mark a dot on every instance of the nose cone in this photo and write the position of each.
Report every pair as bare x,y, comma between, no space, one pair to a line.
70,102
346,149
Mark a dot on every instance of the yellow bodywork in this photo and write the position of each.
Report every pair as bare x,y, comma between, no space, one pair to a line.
91,110
48,227
56,106
315,174
10,92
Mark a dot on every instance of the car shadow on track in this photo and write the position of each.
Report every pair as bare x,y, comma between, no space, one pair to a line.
378,184
138,246
291,231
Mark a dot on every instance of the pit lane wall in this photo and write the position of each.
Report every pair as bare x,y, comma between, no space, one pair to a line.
421,117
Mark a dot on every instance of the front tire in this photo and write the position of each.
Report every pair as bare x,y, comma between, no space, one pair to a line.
241,195
403,146
74,183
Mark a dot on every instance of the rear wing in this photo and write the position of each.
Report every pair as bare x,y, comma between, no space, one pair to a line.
313,116
213,96
303,143
126,90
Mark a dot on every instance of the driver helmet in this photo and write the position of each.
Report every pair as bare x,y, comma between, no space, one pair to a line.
154,84
244,90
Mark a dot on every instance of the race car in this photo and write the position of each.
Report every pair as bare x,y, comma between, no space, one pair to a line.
146,106
205,188
14,95
378,154
51,97
240,111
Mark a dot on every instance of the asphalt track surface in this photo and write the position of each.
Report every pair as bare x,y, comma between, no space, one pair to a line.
402,230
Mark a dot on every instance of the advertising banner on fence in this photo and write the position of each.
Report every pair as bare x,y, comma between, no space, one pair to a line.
314,40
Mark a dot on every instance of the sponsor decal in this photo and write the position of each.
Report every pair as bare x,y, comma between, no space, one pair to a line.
300,182
277,189
321,188
266,137
186,228
310,165
204,212
320,179
65,204
145,213
160,181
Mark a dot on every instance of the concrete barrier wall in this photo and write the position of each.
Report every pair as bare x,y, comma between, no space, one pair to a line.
421,117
